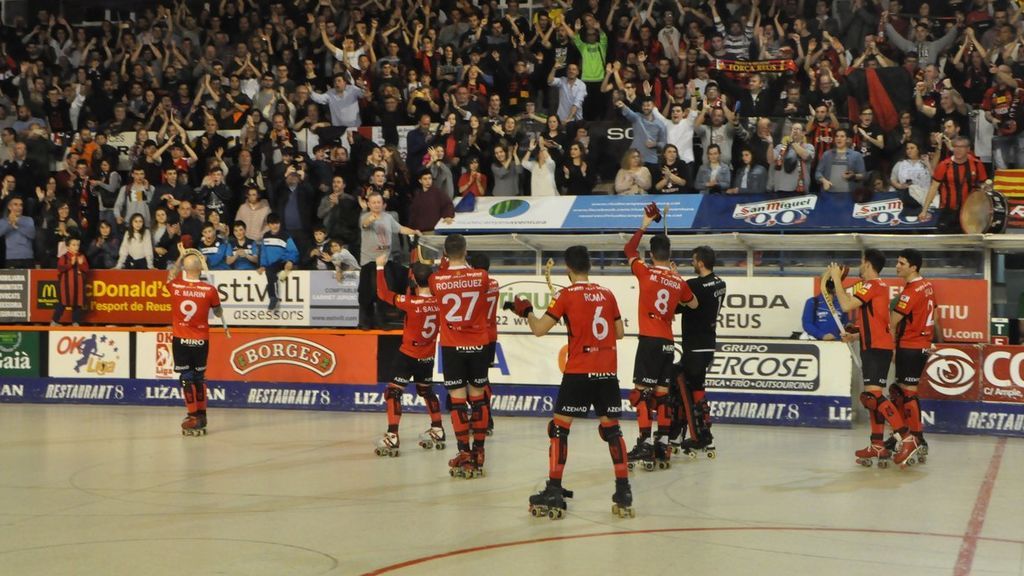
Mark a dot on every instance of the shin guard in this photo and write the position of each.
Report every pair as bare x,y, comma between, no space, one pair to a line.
188,391
663,410
640,399
426,391
558,453
481,415
201,394
393,399
460,422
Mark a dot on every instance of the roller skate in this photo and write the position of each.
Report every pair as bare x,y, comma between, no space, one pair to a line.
462,466
663,454
874,453
922,450
549,502
490,427
692,447
642,453
675,442
907,456
433,437
622,501
193,426
478,461
387,445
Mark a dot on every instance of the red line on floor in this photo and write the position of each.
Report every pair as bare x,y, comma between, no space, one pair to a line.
970,543
486,547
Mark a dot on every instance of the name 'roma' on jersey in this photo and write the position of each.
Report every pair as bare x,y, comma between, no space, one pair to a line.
461,294
191,301
661,291
874,315
917,306
419,335
590,312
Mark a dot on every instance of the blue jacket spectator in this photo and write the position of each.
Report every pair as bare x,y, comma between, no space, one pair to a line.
817,320
18,232
277,248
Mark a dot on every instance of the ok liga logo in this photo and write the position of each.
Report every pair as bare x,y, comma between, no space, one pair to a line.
951,371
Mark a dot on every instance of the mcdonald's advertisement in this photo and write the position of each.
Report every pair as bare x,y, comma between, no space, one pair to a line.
122,296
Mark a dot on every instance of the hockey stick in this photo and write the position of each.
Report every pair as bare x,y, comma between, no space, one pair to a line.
664,219
826,296
547,275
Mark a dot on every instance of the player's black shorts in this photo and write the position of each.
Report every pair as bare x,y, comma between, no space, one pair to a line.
875,366
579,392
190,355
695,368
409,370
910,365
489,351
653,363
465,365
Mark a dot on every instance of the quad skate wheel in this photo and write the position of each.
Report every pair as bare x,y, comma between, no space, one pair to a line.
426,445
453,472
648,466
393,453
883,463
490,431
864,462
630,466
664,465
922,459
556,514
691,454
712,455
675,449
439,445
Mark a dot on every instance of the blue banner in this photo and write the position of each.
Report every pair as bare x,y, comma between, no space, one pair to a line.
834,212
726,407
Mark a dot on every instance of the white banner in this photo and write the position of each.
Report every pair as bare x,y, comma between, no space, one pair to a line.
745,366
243,295
753,307
154,359
513,214
89,355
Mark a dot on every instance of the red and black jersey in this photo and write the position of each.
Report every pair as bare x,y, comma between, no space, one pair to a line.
821,137
917,306
1005,106
191,301
492,310
71,279
661,290
461,294
957,179
874,315
419,335
590,312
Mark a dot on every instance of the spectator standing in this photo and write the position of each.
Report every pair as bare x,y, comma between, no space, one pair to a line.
253,212
134,198
379,232
649,134
954,178
71,269
506,170
103,250
136,250
542,169
841,168
18,232
294,202
633,177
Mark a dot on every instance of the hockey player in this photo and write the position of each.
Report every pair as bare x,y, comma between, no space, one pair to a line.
594,326
191,301
415,362
661,291
871,301
700,333
913,323
480,261
461,294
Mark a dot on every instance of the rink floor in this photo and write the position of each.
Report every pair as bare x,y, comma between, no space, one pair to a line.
111,491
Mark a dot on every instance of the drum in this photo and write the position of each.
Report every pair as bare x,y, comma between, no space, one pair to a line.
985,211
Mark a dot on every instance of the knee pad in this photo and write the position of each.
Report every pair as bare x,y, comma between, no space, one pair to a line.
896,393
556,431
188,376
391,392
611,433
638,395
424,390
870,400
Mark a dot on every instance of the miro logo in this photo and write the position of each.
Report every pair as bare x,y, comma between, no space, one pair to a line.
509,208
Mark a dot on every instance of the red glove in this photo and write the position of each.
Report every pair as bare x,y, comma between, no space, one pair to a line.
520,307
444,263
652,211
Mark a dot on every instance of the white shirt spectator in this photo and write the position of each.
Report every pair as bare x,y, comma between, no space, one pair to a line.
570,93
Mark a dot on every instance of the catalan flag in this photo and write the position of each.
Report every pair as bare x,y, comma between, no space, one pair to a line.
1011,184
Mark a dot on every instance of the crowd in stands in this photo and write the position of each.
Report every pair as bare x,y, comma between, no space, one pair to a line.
245,115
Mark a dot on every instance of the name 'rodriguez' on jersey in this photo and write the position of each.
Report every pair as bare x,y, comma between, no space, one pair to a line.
590,312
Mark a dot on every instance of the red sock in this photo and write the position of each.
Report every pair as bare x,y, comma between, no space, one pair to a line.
433,404
481,415
201,394
393,399
889,412
912,412
617,449
663,411
558,452
698,395
460,423
189,392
